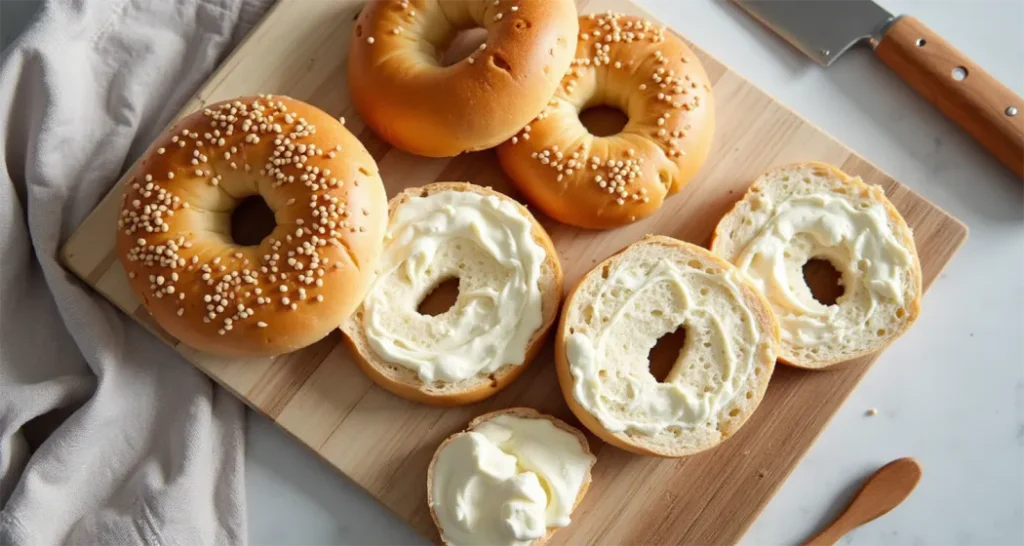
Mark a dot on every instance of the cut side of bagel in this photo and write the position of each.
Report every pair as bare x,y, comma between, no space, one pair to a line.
616,315
575,464
459,356
813,211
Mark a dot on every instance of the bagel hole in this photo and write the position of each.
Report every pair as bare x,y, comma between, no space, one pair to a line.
665,353
464,43
439,300
602,120
824,281
251,221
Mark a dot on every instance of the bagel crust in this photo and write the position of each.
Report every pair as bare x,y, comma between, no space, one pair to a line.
653,77
301,281
400,89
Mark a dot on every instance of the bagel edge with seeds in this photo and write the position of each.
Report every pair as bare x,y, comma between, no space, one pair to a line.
301,281
594,182
403,93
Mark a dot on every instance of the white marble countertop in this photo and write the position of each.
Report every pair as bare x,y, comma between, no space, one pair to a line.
950,393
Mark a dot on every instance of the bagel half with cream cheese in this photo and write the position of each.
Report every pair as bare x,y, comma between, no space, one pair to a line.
523,473
807,211
510,287
615,316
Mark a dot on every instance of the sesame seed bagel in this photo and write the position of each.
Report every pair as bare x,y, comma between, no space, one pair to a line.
812,211
602,182
301,281
403,93
567,436
616,315
510,287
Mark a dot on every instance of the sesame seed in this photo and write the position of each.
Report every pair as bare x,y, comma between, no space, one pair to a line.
369,40
261,324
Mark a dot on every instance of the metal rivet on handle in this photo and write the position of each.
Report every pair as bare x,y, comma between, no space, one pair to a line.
1011,111
825,52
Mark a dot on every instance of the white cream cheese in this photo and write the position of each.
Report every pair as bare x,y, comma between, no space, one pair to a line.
485,242
507,481
609,362
856,240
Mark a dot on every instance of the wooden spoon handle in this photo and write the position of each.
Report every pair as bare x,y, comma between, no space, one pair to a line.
880,493
980,104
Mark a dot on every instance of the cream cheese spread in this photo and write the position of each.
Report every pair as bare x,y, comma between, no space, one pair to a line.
488,244
507,481
609,361
857,240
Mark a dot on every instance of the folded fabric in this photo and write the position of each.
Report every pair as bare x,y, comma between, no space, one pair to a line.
106,435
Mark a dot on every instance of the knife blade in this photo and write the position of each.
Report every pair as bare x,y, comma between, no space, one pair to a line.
959,88
799,23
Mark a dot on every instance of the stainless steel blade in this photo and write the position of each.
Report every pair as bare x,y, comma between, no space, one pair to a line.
822,29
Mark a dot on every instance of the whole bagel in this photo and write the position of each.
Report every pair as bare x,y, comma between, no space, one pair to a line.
597,182
404,94
301,281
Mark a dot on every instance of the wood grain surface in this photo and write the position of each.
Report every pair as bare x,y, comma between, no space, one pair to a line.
960,89
384,443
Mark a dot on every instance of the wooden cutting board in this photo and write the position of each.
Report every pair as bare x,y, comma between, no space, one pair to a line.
384,443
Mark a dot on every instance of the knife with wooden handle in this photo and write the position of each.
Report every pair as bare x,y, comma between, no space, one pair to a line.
985,108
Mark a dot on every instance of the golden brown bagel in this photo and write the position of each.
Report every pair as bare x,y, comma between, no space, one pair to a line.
403,93
299,283
602,182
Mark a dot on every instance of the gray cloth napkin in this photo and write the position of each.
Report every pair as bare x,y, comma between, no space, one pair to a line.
106,435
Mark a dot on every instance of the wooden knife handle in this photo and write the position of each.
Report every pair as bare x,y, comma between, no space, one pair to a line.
985,108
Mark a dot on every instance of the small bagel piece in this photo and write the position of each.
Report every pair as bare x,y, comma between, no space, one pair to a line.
796,213
522,472
301,281
403,93
615,316
597,182
510,287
